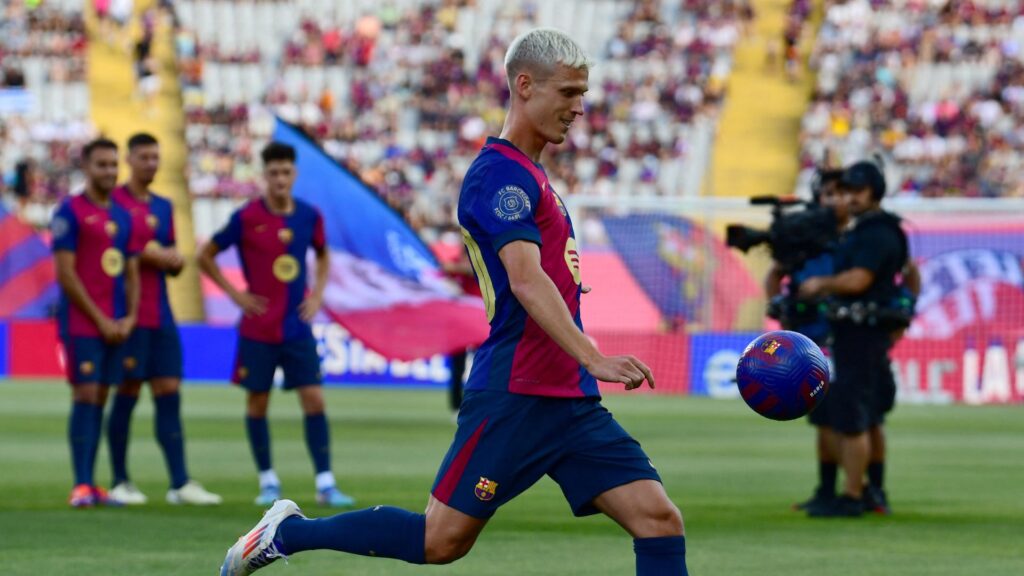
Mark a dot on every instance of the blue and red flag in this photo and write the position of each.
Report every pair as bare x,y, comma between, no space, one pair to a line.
386,287
28,286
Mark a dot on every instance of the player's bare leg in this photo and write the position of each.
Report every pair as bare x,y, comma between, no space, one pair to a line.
450,534
318,441
256,406
645,511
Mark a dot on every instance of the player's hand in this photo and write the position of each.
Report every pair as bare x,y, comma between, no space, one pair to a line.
584,289
310,306
625,369
109,329
173,262
124,327
812,287
251,304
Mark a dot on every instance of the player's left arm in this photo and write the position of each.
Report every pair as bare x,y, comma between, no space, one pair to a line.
132,289
314,300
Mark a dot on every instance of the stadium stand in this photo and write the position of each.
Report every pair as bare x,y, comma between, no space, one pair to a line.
935,86
403,93
44,104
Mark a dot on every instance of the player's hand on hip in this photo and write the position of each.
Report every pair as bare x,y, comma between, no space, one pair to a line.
310,306
628,370
251,304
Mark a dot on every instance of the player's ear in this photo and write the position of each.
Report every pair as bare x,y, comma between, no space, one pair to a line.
524,85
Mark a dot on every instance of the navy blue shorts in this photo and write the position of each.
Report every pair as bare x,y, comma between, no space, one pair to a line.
256,362
90,360
153,353
506,442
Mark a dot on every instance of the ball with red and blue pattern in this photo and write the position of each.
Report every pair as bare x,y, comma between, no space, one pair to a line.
782,375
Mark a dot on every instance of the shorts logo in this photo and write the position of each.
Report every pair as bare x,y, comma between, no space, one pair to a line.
511,204
152,221
86,368
111,228
286,268
130,363
242,372
485,489
285,236
112,262
770,347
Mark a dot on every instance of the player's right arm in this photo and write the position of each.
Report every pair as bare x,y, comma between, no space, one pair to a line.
251,304
542,301
65,242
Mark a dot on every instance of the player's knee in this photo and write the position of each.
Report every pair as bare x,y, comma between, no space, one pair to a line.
130,388
312,403
256,405
447,549
86,394
665,520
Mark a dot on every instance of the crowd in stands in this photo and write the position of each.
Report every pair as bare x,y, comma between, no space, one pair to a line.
43,104
936,87
405,95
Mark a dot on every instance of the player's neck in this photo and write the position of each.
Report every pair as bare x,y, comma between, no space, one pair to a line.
280,206
527,141
139,190
97,196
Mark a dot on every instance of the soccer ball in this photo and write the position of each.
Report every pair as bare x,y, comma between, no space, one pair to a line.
782,375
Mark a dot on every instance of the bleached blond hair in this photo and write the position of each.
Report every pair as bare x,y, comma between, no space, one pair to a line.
543,49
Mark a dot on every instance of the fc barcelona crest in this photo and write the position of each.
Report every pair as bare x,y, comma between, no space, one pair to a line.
152,221
485,489
285,235
111,227
770,347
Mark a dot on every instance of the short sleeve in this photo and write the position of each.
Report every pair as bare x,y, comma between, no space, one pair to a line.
171,238
504,207
872,250
64,229
319,239
231,233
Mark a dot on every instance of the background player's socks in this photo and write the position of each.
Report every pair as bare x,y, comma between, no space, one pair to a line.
318,441
827,472
97,432
259,441
325,480
665,556
117,435
168,433
269,478
382,531
82,429
876,474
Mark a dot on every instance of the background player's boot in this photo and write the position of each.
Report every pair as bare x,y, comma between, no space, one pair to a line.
821,497
875,500
193,493
128,494
842,507
103,498
82,497
256,549
268,495
334,498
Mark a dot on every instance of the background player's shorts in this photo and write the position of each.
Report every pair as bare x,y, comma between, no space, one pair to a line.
506,442
860,354
90,360
153,353
256,362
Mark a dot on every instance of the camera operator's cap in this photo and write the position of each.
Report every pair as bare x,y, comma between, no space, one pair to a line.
864,175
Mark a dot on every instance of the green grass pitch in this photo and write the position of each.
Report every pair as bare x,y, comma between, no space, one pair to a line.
955,480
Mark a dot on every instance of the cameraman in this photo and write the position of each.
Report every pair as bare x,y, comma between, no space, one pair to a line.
869,261
813,324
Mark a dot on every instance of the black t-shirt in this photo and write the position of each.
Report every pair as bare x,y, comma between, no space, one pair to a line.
877,244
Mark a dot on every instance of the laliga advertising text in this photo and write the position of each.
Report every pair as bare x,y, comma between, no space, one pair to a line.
990,373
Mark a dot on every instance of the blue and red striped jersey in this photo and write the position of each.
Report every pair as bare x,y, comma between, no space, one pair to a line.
152,222
272,249
101,238
506,197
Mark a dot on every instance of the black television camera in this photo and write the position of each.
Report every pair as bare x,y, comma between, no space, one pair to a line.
794,236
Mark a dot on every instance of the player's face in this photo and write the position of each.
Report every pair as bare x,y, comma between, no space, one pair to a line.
101,169
556,101
280,176
832,197
859,201
144,162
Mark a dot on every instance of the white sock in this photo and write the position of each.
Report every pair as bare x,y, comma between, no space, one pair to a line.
269,478
325,480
